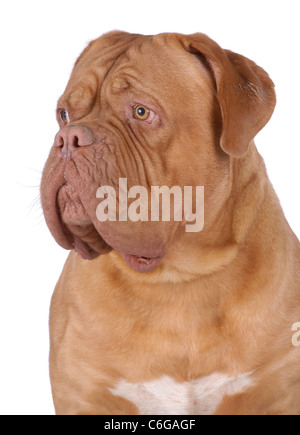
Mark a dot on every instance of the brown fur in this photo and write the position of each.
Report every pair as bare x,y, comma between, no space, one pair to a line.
222,300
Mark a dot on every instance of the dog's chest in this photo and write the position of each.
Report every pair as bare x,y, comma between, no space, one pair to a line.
164,396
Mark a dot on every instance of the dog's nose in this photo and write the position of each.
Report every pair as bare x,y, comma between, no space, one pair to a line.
71,138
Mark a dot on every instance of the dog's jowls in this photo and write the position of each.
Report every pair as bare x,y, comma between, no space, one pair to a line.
148,318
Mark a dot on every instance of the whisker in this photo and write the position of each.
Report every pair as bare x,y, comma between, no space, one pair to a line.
34,170
37,224
35,186
27,186
34,205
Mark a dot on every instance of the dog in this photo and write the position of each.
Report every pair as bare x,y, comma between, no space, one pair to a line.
149,317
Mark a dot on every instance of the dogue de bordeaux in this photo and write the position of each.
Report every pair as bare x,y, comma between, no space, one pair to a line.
147,317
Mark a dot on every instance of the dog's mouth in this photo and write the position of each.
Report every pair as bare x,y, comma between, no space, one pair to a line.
73,229
74,222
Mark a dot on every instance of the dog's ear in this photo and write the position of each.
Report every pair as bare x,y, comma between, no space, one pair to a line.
245,92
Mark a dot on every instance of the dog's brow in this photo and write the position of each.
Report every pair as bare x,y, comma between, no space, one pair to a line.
81,98
119,84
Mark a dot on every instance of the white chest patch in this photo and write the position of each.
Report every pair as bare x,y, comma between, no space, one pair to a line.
164,396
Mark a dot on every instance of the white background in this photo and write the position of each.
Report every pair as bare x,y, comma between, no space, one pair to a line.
39,44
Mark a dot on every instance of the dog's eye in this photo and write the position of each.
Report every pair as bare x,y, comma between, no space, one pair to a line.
142,113
64,117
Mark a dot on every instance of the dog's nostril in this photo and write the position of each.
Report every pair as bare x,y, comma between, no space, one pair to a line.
75,142
59,141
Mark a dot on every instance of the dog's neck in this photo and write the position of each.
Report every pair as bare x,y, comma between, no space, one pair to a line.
232,237
226,233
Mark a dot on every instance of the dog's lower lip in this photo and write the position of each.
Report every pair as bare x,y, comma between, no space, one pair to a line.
83,250
141,264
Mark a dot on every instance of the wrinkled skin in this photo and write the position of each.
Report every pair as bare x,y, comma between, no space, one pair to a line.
100,96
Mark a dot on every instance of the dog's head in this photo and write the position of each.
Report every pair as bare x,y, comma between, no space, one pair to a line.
167,110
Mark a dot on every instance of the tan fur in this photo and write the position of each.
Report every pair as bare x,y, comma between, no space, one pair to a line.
221,301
